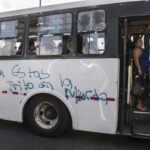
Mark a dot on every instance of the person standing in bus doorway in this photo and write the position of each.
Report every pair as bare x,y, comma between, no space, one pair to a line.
141,69
32,48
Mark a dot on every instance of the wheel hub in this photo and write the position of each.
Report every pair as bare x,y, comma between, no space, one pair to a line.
50,113
46,115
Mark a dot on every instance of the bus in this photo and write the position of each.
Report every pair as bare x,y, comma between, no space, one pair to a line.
70,66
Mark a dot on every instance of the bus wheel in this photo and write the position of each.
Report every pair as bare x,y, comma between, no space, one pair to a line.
46,115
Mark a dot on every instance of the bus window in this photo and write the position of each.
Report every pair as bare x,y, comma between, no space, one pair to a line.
51,33
91,36
11,36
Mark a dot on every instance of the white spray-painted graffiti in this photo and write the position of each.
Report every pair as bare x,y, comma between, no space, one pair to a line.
1,73
22,82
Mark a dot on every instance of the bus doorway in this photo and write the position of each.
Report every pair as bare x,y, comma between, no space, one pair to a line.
135,86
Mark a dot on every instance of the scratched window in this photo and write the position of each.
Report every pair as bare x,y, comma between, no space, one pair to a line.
91,32
51,34
11,37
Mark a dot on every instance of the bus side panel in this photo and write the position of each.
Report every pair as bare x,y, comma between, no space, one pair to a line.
90,86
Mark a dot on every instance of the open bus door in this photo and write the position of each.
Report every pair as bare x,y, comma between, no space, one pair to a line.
137,121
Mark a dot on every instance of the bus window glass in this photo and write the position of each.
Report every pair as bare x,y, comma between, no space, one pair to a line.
52,34
50,45
91,35
93,43
11,37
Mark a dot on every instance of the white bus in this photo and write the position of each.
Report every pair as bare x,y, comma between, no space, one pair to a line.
67,66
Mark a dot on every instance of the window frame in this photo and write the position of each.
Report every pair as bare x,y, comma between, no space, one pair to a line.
74,54
24,18
103,32
49,14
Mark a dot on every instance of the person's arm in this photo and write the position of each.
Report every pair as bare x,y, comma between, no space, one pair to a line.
136,58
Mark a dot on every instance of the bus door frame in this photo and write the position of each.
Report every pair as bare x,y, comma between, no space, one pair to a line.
123,115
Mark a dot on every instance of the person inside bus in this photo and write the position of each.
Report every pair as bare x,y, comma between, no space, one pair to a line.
140,69
66,45
32,47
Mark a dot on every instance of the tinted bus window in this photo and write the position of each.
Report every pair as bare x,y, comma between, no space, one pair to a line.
52,34
91,36
11,37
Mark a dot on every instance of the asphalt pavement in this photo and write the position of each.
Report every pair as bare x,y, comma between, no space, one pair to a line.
15,136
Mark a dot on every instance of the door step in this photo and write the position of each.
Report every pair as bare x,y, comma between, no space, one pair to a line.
141,112
141,124
143,136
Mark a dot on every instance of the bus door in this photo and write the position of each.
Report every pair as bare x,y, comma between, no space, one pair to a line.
124,103
137,120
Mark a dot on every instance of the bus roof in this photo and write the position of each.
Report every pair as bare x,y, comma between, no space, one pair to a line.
81,3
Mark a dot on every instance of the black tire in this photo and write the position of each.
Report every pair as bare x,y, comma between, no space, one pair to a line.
46,115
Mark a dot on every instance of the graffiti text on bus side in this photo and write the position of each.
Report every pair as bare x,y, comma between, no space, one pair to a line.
18,72
73,91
